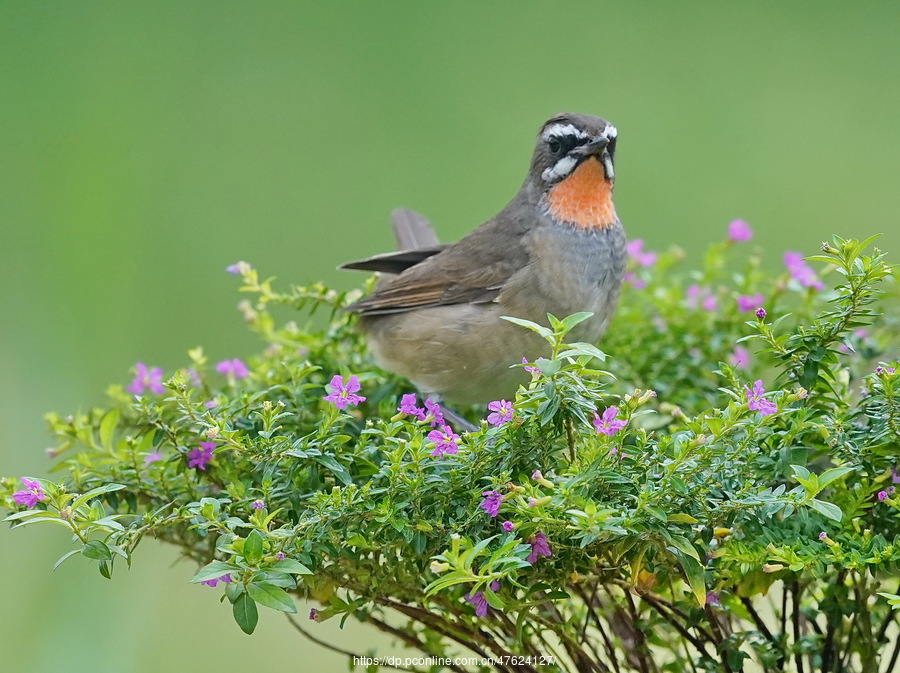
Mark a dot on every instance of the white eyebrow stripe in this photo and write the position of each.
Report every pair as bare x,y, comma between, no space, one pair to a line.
560,169
559,130
610,131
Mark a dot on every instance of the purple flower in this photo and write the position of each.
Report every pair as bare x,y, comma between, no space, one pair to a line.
823,535
739,358
152,457
539,547
503,412
257,504
213,582
882,495
480,603
747,302
507,526
607,423
30,495
637,282
712,598
531,369
756,401
895,476
700,295
341,395
211,404
635,248
408,406
232,368
800,271
280,556
313,613
739,231
491,502
199,457
445,441
433,412
760,313
237,268
151,380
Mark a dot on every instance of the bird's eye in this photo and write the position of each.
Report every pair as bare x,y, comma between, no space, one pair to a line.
554,145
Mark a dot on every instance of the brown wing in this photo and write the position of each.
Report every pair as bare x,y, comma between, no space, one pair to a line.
472,271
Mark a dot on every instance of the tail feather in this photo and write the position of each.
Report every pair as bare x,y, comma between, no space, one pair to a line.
412,231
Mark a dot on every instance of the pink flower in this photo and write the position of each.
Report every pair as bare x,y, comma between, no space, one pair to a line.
214,581
433,413
635,248
30,495
445,441
633,279
491,503
232,368
257,504
152,457
340,394
607,423
480,603
760,313
507,526
503,412
201,456
747,302
756,401
700,295
800,271
539,547
531,369
144,378
739,231
408,407
739,358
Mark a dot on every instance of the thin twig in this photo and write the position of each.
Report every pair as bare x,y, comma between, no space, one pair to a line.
334,648
607,642
795,618
409,639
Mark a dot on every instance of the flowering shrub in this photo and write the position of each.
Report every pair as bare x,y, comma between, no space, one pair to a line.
722,489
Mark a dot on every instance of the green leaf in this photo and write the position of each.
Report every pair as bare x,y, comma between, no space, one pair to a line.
827,509
696,577
64,557
569,322
107,427
94,492
685,547
339,470
253,547
213,571
245,613
291,566
97,550
271,596
533,326
834,473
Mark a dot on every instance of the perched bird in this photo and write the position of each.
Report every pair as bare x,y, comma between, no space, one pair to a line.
558,247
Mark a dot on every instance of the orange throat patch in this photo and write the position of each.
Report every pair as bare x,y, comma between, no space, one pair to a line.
584,198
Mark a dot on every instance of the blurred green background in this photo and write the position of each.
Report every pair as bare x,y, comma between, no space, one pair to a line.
145,146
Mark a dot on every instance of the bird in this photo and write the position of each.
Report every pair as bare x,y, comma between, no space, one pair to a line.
435,316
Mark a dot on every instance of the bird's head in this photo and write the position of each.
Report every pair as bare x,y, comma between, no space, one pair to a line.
572,168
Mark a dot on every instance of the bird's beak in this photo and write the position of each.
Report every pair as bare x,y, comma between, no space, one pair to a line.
599,148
